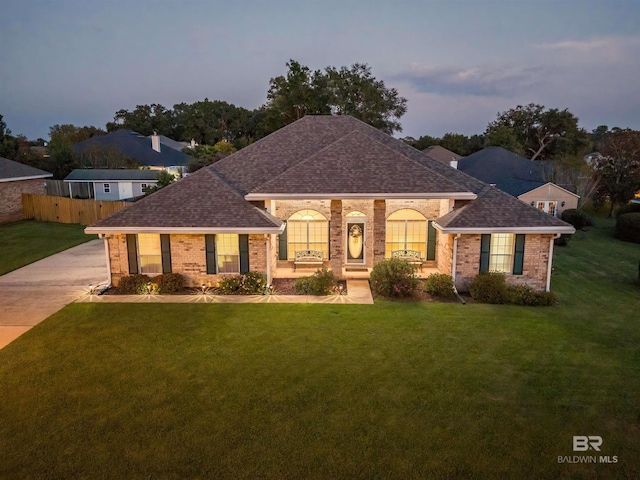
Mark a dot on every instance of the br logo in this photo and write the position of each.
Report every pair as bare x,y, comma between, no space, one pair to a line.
583,443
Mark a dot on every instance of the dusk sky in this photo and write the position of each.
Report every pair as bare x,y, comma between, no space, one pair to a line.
457,62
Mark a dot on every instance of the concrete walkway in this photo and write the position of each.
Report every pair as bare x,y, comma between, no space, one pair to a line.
32,293
358,293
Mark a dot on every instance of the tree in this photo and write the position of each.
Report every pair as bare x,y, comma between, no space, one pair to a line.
9,146
205,155
619,167
344,91
164,179
539,133
102,156
144,119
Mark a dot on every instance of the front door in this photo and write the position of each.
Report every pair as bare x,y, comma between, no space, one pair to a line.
355,242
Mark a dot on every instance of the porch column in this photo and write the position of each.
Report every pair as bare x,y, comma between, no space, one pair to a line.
336,241
379,230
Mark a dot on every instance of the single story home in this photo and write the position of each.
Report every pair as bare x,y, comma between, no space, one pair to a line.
519,177
15,179
152,152
113,184
330,191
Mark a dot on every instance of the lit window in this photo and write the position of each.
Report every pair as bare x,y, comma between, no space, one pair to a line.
228,253
307,230
150,253
501,252
406,230
106,187
548,207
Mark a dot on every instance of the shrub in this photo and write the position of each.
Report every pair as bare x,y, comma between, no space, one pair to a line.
394,278
169,282
577,218
525,295
628,208
133,284
251,283
489,287
439,285
628,227
321,282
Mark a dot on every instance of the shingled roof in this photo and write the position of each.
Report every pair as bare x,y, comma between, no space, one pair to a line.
104,174
200,203
11,171
441,154
320,157
510,172
137,147
495,211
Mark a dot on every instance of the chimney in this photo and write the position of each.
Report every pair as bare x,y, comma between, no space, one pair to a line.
453,163
193,144
155,142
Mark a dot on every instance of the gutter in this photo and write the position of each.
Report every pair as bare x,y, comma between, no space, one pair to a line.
480,230
341,196
557,235
184,230
454,268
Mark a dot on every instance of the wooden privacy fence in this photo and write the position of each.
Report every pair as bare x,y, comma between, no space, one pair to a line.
66,210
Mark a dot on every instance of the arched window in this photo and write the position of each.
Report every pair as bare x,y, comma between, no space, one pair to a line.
307,230
406,230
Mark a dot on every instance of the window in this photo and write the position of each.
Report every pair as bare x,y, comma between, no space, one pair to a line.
228,253
143,186
307,230
106,187
549,207
150,253
501,252
406,230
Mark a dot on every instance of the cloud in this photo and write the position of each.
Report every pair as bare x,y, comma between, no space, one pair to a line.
475,80
598,50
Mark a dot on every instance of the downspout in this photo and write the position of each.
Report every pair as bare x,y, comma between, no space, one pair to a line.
268,243
106,251
557,235
454,262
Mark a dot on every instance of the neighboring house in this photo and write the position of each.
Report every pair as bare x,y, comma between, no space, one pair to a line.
147,151
330,191
519,177
109,184
443,155
15,179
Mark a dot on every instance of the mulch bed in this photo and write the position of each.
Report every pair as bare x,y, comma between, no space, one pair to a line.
284,286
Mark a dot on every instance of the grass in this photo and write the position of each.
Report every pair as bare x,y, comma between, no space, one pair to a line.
27,241
393,390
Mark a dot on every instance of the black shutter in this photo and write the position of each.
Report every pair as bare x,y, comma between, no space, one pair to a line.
282,244
485,250
165,246
210,246
132,250
431,241
518,260
244,253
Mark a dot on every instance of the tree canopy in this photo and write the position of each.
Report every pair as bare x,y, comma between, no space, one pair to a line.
344,91
538,133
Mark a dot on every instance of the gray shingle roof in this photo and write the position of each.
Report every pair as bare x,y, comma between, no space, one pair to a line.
10,170
136,146
495,209
510,172
200,202
88,175
441,154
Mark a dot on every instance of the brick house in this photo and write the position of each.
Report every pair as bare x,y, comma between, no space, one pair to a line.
330,191
15,179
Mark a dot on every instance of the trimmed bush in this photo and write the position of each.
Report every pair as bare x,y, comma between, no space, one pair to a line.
169,282
394,277
577,218
628,208
489,287
322,282
525,295
628,227
562,240
251,283
133,284
439,285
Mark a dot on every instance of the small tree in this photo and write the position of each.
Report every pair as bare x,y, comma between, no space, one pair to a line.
164,178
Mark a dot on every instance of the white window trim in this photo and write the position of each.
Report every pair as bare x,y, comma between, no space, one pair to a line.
227,255
106,187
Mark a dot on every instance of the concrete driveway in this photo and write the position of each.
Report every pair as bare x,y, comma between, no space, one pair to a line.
32,293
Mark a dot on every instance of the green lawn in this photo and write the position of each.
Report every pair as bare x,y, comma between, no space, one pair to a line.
25,242
393,390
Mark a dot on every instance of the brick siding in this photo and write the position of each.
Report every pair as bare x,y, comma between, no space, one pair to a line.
11,197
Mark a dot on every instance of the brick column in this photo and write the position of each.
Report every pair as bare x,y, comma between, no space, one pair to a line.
379,230
336,241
